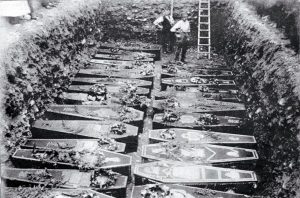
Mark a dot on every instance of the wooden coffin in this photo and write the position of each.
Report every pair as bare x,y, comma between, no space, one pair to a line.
203,73
74,144
200,106
195,175
123,52
209,90
112,82
54,193
191,82
128,66
200,154
111,89
121,62
190,136
194,66
86,99
115,73
24,158
93,112
193,96
86,129
64,178
127,57
191,120
180,190
154,49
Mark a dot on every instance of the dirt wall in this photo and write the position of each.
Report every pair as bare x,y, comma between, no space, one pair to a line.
39,60
270,81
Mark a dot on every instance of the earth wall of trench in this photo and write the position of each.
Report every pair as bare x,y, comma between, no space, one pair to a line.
270,83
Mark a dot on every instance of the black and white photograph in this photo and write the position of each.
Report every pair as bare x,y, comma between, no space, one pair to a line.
150,98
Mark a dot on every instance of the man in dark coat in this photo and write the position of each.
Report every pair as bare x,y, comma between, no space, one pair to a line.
165,23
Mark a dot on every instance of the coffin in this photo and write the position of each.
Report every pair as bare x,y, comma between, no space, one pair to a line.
191,120
190,136
195,175
115,73
128,66
193,96
64,178
112,82
54,193
84,99
93,112
196,81
154,49
200,106
123,52
121,163
193,66
210,90
203,73
187,191
64,129
127,57
74,144
111,89
120,62
200,154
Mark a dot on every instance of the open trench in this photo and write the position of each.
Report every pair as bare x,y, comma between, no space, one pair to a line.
69,118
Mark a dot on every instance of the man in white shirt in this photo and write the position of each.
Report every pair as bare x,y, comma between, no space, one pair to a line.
164,23
182,29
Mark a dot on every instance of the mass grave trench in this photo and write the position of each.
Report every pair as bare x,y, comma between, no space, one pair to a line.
268,75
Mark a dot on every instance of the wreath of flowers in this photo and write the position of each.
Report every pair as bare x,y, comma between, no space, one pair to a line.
118,128
168,134
103,179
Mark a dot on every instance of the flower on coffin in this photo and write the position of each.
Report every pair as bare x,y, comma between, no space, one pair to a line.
168,134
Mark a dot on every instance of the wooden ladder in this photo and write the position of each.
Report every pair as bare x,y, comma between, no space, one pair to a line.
204,48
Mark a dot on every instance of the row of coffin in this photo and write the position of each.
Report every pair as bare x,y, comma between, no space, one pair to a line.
92,121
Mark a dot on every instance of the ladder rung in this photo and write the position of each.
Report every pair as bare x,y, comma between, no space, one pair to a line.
204,22
204,44
204,37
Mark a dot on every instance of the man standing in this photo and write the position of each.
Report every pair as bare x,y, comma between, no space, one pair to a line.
164,23
182,29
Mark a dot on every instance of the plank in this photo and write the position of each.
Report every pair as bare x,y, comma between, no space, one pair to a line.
154,49
124,52
63,129
204,154
196,81
195,66
203,73
67,178
74,144
112,82
116,73
87,99
179,190
24,158
127,57
200,106
111,89
92,112
191,136
195,175
193,96
10,192
198,121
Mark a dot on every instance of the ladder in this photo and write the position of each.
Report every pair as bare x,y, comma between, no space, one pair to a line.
204,48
